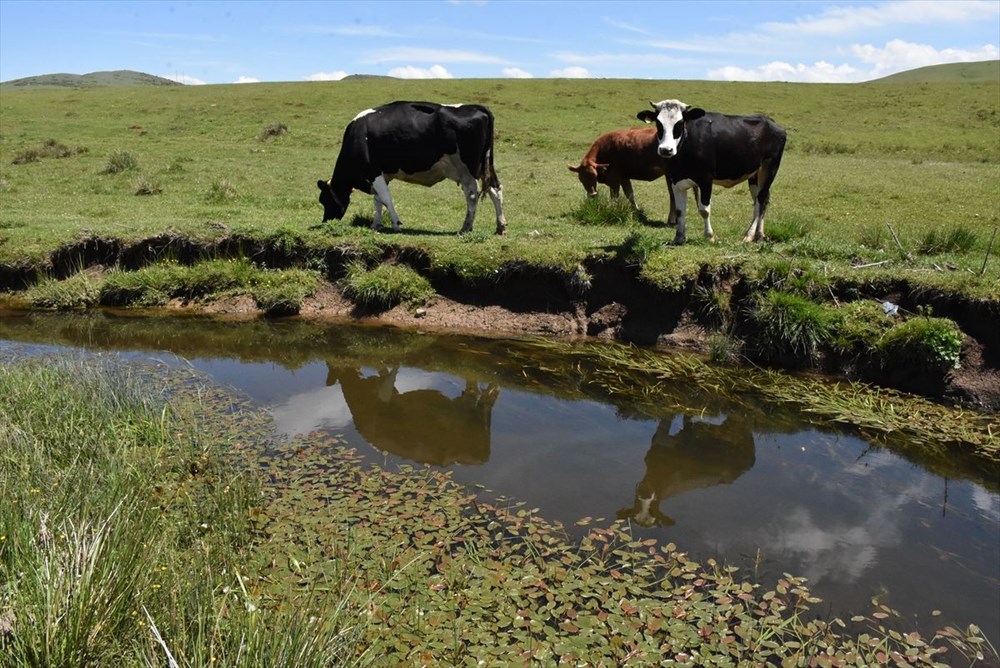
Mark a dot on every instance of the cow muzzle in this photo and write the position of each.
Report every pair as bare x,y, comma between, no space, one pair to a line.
665,152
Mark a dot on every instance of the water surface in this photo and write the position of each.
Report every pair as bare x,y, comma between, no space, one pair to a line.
748,483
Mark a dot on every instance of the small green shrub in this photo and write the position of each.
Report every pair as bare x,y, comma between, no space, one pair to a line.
273,130
285,239
956,240
146,186
926,342
859,328
788,228
601,210
280,293
385,286
212,277
149,286
50,148
221,191
26,156
119,161
78,291
711,307
787,328
638,247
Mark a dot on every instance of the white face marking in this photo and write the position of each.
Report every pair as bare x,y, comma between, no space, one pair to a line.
453,105
364,113
668,114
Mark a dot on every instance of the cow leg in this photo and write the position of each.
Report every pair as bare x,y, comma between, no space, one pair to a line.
496,194
756,226
468,184
627,189
377,220
680,202
381,188
704,199
672,213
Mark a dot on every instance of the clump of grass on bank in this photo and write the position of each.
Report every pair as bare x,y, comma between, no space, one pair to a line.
81,290
934,344
603,210
276,292
786,328
123,532
385,286
959,239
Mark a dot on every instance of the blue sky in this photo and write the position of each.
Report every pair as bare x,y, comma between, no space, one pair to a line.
218,42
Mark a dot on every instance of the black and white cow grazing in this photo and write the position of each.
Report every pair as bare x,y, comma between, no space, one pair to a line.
416,142
705,148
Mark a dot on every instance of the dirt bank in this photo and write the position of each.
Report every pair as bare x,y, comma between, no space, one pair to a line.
615,304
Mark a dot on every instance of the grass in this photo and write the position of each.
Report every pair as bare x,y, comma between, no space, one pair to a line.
202,147
385,286
124,530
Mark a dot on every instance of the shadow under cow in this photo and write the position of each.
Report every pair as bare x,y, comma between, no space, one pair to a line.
686,454
422,425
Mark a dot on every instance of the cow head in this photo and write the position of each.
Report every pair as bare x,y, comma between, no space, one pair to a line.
590,174
334,206
670,117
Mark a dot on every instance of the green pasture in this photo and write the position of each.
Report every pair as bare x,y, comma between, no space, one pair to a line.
203,162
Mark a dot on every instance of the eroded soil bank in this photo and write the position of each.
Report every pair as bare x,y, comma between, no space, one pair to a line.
614,303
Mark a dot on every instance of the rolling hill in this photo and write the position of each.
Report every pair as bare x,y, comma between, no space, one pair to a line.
986,70
91,80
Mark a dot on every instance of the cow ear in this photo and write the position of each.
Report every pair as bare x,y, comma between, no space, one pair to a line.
602,168
693,114
646,116
574,168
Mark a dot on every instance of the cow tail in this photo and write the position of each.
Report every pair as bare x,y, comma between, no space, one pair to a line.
489,178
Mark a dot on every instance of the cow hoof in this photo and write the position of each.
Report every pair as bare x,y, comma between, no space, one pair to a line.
680,241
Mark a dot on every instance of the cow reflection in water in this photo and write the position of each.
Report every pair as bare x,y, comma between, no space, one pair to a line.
693,454
423,425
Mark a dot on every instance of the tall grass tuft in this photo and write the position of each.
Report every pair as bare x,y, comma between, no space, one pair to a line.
788,329
81,290
385,286
601,210
221,191
119,161
958,239
272,131
125,532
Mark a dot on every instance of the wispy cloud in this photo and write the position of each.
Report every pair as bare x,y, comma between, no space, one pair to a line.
605,58
621,25
850,19
422,55
358,30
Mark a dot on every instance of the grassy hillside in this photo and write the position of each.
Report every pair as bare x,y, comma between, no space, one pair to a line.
983,71
91,80
205,165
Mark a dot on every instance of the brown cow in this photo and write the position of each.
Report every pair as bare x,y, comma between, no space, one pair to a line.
619,156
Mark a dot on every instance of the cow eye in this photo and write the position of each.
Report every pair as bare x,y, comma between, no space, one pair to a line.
678,129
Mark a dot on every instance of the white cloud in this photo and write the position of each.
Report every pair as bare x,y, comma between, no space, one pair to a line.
184,79
411,72
419,55
847,19
517,73
572,72
336,75
820,72
898,55
244,79
627,58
